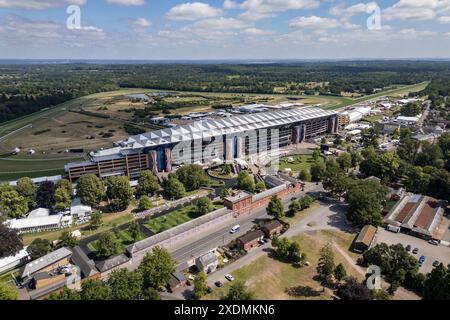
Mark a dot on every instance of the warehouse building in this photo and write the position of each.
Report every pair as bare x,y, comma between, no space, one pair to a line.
249,137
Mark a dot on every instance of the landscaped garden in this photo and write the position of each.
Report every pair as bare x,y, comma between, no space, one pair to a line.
175,218
296,163
124,238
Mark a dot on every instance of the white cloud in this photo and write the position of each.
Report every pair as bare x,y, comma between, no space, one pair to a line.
257,32
416,9
220,24
140,23
127,2
313,22
230,4
444,19
447,35
346,13
193,11
262,9
38,4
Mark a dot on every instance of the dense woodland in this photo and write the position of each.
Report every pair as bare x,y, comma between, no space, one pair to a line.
28,88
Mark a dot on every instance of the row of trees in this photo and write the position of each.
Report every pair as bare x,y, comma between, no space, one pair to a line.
16,201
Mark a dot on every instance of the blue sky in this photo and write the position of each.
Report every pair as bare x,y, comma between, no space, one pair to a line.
226,29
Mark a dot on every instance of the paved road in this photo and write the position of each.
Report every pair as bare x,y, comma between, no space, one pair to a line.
223,236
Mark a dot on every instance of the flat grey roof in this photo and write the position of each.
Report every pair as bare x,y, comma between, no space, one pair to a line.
45,261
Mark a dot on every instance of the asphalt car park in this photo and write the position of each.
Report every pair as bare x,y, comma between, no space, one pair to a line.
418,247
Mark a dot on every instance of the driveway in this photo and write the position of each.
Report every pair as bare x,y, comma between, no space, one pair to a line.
431,252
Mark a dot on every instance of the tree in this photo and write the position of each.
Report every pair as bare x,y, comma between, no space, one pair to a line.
66,185
380,294
96,220
150,294
437,284
356,158
65,294
107,244
294,207
147,183
226,169
63,199
12,204
90,189
317,171
245,182
95,290
134,230
326,266
370,137
316,155
411,109
339,272
353,290
224,193
384,166
305,202
394,261
431,155
238,291
191,176
39,247
260,186
173,188
156,267
336,181
345,161
27,189
203,206
119,191
45,194
305,175
10,242
200,285
365,199
144,203
124,284
275,207
7,292
67,240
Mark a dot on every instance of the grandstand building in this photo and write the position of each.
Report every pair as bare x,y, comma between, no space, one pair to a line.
249,137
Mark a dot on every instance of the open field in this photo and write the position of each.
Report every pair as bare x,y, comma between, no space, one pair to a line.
269,278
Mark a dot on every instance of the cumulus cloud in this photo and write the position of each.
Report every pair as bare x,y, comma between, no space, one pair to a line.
38,4
193,11
127,2
313,22
416,9
257,32
262,9
444,19
345,13
220,24
230,4
140,23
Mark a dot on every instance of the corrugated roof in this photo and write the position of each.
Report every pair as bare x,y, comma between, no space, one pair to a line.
366,235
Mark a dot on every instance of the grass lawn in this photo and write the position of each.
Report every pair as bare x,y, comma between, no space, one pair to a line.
269,278
299,215
108,222
174,218
124,238
300,162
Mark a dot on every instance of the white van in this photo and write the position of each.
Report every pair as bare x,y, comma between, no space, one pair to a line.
235,229
393,228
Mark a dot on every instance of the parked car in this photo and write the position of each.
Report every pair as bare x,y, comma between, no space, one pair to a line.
229,277
436,263
293,198
415,250
433,242
218,284
408,247
421,260
209,290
